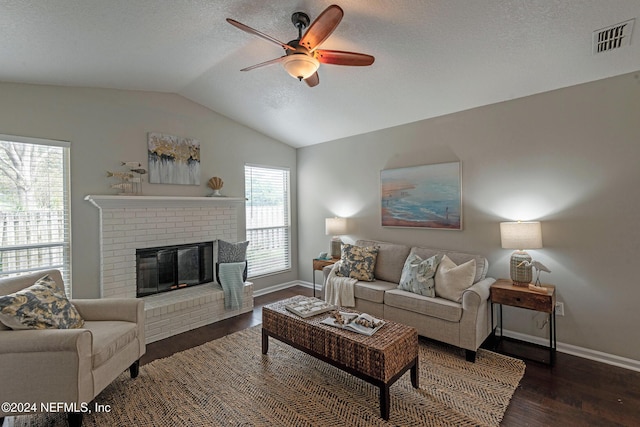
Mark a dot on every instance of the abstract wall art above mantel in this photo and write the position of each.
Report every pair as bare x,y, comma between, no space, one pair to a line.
428,196
173,159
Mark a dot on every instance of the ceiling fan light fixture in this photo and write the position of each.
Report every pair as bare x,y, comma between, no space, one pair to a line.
300,66
302,57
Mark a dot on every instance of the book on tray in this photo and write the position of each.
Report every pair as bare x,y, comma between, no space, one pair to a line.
361,323
310,306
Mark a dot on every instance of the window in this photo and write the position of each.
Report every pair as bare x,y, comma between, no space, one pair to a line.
268,223
34,206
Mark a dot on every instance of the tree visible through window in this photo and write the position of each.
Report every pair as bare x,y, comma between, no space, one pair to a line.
34,206
268,223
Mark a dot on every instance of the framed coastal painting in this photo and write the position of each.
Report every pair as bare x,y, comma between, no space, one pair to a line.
173,159
428,196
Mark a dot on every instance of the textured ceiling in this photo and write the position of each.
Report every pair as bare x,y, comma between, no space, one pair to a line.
432,57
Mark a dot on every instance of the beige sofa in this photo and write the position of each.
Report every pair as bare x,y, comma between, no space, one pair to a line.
465,325
69,365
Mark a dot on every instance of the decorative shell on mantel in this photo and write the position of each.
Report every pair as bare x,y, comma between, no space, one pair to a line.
215,184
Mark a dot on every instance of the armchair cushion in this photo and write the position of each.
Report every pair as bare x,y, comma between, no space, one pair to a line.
39,306
109,337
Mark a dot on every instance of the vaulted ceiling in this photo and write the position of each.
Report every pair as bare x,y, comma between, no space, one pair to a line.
433,57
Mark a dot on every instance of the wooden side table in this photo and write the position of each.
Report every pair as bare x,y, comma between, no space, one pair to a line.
503,292
318,265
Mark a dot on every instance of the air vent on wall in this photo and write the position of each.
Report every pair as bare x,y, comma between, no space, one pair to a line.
613,37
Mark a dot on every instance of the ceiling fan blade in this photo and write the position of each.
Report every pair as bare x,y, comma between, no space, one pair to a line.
313,79
264,64
257,33
339,57
322,27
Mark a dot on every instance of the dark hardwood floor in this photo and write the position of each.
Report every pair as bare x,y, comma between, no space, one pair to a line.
574,392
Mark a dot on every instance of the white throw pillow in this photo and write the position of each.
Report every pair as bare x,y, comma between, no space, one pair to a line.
452,280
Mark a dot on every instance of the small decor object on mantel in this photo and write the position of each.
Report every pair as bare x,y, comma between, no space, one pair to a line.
130,181
215,184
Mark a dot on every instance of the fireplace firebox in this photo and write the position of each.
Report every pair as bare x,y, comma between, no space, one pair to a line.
168,268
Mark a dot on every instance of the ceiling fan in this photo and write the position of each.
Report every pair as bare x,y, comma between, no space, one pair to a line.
302,57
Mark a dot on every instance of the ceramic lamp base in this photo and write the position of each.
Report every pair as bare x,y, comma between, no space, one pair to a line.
522,275
336,247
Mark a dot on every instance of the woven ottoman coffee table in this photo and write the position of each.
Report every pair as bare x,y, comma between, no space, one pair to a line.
379,359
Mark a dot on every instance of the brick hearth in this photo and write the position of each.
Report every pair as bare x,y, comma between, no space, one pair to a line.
128,223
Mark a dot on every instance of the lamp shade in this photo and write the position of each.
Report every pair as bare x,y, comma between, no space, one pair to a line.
521,235
300,66
335,226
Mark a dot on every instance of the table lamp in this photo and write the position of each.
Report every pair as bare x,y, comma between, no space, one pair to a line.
335,227
520,236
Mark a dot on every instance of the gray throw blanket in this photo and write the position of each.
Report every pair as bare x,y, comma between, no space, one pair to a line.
232,283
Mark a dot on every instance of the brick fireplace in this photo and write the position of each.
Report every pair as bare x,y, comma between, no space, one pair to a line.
130,223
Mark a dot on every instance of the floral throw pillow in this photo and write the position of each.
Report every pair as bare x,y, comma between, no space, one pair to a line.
358,262
417,275
40,306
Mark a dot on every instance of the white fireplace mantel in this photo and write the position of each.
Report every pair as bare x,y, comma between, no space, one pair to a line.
132,202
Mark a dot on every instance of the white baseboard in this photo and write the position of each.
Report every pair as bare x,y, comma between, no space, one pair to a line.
282,286
598,356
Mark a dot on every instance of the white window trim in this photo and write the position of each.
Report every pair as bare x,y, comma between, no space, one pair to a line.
288,215
67,203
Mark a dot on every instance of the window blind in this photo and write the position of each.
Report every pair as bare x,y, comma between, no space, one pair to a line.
268,221
34,206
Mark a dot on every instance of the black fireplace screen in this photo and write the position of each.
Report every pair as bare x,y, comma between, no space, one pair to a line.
173,267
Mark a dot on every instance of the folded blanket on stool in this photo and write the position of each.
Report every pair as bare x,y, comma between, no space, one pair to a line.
232,284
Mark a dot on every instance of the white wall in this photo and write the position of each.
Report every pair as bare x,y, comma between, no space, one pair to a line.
106,127
569,158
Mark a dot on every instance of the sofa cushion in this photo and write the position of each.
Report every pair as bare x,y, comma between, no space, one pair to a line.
373,291
417,275
358,262
482,265
434,307
452,280
40,306
390,260
109,337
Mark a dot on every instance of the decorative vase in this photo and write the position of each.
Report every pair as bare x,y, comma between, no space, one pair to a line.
521,275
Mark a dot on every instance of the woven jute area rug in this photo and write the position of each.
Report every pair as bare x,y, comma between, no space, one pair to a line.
228,382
